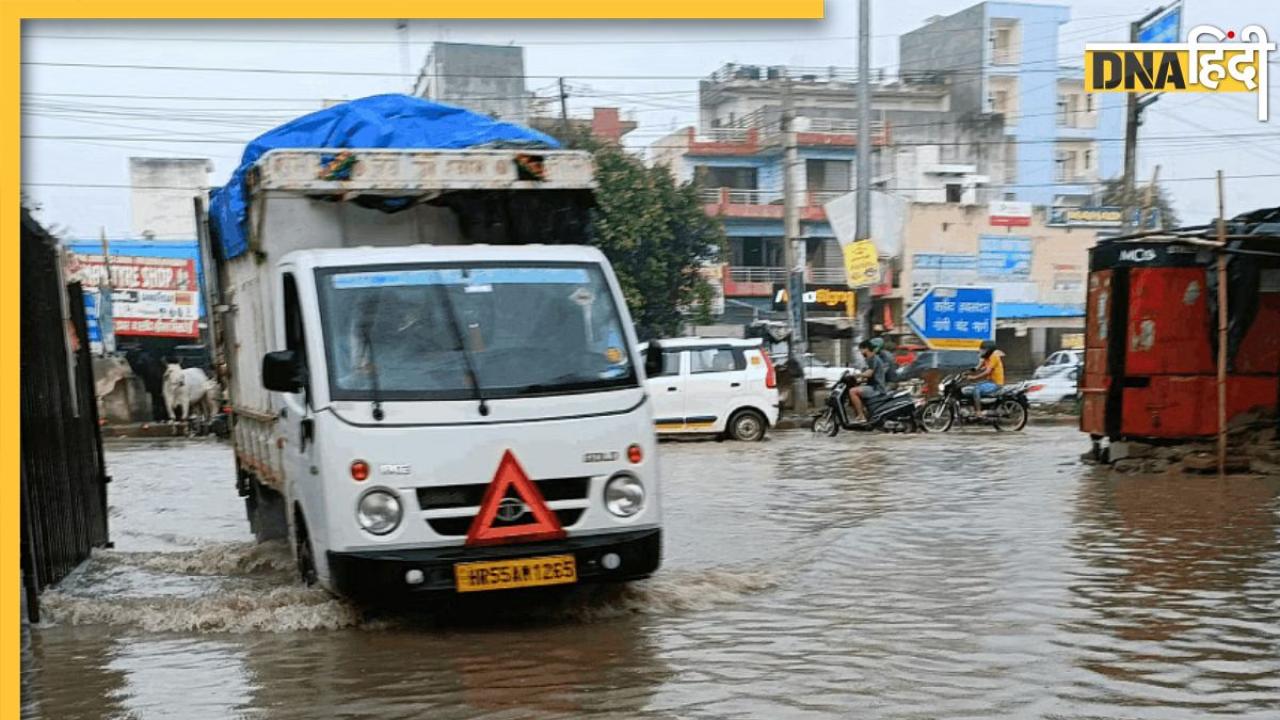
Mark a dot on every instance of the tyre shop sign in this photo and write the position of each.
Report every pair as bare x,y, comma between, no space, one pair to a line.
152,296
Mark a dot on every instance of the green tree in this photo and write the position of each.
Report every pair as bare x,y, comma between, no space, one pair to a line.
1113,194
657,236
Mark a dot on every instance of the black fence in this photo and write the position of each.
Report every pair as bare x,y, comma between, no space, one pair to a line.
64,492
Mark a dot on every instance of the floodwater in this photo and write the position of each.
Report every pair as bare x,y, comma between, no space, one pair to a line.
970,575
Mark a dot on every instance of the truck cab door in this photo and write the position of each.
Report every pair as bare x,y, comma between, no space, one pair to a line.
296,424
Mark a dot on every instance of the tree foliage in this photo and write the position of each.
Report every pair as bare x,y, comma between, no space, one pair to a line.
1113,194
657,236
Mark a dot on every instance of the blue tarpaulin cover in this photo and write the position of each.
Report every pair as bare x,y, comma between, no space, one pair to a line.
379,121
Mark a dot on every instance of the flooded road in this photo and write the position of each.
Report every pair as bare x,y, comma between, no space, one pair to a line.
970,575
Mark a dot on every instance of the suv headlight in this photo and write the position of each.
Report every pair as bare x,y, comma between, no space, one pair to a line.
378,511
624,495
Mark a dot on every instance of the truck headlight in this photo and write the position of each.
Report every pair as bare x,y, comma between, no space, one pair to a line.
378,511
624,495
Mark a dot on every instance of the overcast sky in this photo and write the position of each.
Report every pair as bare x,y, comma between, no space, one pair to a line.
91,118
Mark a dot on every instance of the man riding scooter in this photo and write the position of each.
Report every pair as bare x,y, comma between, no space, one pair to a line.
874,379
987,377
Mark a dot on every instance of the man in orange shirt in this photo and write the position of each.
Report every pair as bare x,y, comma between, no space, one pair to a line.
989,375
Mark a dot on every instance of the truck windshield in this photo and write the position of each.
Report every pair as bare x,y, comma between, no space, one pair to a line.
523,329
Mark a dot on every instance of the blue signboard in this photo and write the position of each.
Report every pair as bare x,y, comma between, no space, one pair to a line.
944,261
1165,29
955,318
1004,257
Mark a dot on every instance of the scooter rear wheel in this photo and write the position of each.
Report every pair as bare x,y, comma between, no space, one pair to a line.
826,423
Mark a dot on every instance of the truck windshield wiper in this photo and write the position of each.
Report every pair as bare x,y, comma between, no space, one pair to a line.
478,393
375,393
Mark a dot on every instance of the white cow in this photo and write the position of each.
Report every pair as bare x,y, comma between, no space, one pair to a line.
189,389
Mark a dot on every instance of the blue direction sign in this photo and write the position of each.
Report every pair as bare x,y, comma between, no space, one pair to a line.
954,318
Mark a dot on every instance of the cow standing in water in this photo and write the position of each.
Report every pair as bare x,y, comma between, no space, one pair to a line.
188,389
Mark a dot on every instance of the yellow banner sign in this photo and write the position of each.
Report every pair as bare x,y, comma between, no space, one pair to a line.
1193,66
861,263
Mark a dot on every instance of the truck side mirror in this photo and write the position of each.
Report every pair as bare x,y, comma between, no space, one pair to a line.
282,372
653,360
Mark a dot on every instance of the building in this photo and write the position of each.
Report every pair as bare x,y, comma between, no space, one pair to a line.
735,156
1056,142
1038,272
161,194
605,125
487,79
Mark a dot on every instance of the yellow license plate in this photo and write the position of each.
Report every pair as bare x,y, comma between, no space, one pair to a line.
516,573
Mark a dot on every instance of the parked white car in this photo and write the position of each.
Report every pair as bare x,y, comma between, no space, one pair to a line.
1058,387
816,368
1060,361
722,386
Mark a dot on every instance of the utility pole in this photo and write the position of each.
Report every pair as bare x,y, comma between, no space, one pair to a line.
402,29
863,226
1130,142
794,248
106,315
564,112
1133,118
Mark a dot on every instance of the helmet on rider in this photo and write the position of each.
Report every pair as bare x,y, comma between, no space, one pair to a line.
987,347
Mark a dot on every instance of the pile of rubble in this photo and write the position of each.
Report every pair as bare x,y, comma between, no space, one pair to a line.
1251,448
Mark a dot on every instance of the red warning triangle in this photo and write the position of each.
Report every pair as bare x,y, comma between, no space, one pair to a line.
545,525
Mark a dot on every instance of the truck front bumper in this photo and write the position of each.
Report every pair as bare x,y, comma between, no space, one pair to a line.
379,576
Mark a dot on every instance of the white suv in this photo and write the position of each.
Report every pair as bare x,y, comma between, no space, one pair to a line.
714,385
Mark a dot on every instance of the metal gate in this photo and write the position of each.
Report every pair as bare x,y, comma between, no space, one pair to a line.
63,476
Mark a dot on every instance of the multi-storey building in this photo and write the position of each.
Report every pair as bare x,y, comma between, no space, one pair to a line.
735,156
1001,59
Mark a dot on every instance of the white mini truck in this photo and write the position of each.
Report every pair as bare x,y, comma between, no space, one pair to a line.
419,415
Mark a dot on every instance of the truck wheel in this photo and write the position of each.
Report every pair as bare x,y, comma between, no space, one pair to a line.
304,553
747,426
267,515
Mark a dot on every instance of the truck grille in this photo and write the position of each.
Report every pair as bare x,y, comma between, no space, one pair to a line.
466,499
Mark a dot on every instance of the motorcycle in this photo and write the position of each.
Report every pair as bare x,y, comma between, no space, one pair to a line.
889,412
1006,410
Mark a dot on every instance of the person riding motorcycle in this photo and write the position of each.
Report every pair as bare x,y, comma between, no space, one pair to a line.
873,377
891,366
988,376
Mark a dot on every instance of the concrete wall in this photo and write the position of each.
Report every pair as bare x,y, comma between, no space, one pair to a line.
161,195
954,43
488,79
1059,256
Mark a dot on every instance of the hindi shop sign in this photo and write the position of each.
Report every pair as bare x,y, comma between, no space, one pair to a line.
1191,66
1088,216
954,318
150,296
1006,213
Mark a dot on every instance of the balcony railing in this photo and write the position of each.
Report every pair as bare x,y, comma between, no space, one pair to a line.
730,196
814,275
743,274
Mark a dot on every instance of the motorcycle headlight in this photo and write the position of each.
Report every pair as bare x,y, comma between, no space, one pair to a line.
378,511
624,495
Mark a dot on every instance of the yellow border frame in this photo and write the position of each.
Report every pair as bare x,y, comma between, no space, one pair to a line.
13,12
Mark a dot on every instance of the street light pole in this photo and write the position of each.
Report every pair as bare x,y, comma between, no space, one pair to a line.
794,249
863,226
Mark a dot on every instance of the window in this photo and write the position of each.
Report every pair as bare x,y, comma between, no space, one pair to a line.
954,191
828,175
1088,102
1088,159
704,360
756,252
734,178
670,362
1004,42
295,338
455,331
1064,116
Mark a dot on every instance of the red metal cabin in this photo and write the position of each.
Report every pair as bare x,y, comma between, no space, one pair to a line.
1151,330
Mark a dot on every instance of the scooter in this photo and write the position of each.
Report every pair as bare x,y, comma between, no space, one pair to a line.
1007,409
889,412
